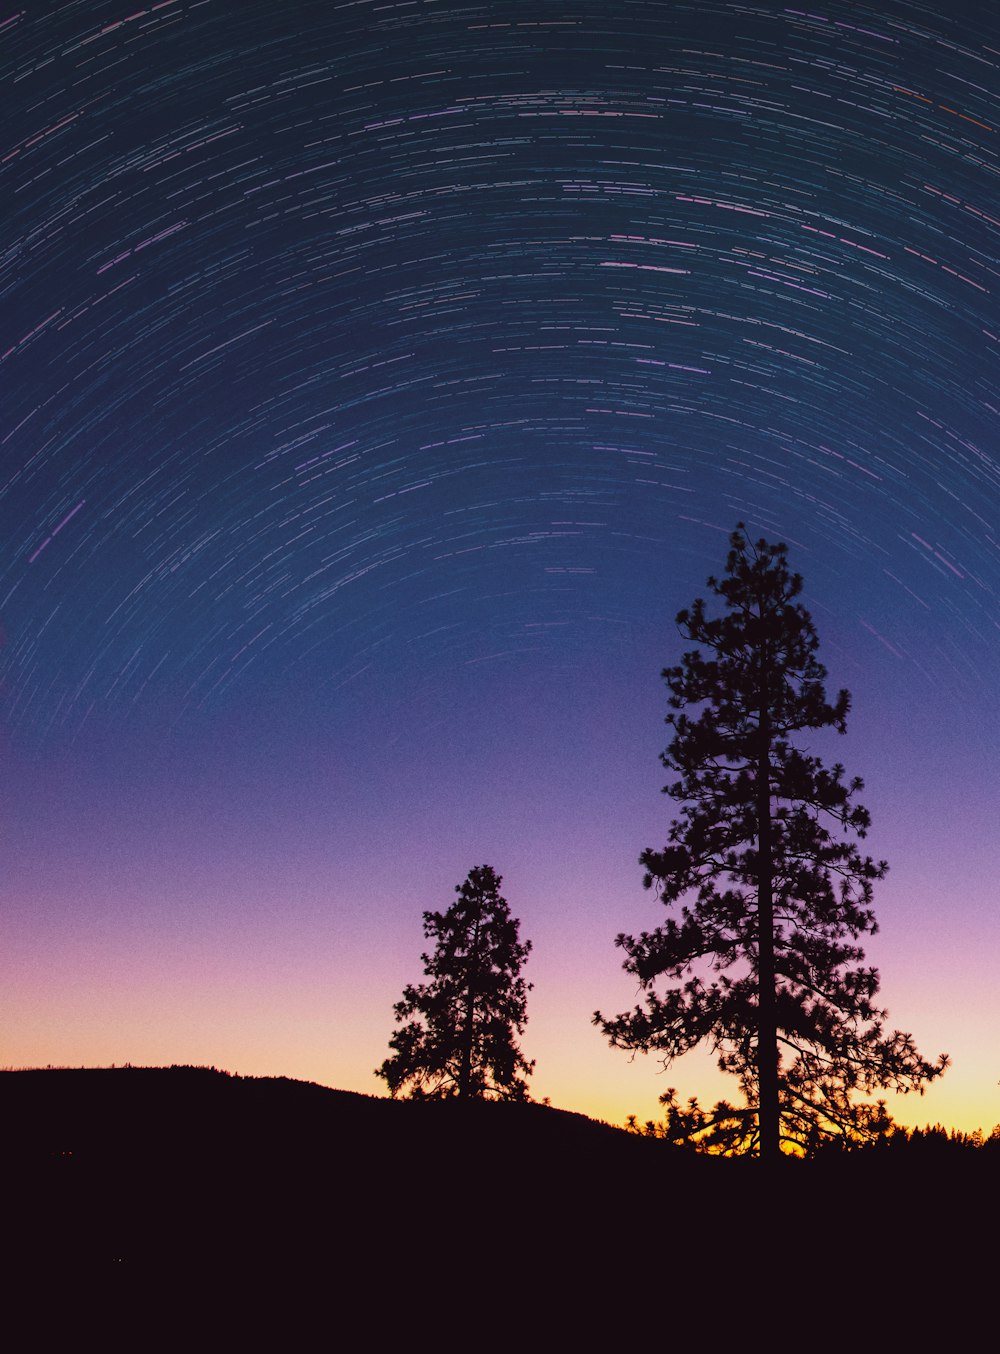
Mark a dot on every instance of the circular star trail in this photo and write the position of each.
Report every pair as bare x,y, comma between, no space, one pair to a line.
338,328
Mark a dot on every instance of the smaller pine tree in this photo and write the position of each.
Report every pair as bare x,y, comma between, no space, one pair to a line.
457,1034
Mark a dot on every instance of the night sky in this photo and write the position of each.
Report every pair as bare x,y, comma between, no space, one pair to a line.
378,381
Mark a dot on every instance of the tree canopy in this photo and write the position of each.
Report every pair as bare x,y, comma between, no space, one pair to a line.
458,1031
770,890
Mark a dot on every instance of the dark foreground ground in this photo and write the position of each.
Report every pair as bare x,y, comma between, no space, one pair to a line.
181,1170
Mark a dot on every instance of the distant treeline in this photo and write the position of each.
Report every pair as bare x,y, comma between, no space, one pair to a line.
932,1140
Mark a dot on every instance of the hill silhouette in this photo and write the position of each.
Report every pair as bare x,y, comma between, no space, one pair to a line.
152,1162
193,1166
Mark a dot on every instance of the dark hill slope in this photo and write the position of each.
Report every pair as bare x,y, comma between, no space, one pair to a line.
138,1118
192,1168
190,1161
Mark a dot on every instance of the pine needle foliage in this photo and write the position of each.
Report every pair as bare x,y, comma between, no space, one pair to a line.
458,1031
769,890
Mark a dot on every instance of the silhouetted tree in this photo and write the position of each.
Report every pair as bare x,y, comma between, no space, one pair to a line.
773,891
457,1035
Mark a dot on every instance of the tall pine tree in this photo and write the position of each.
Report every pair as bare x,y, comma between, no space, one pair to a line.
457,1034
763,961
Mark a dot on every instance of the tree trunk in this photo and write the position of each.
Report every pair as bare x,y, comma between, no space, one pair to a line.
769,1115
465,1071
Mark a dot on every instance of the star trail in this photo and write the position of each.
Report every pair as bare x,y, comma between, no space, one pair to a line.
378,381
